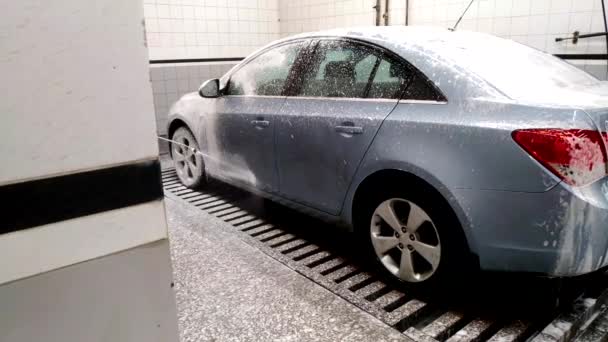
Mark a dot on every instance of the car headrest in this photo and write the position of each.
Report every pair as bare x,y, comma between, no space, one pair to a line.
339,69
395,70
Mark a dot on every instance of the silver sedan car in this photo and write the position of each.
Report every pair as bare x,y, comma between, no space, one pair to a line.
445,151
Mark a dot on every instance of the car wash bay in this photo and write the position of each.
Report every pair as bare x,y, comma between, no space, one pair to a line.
233,252
88,254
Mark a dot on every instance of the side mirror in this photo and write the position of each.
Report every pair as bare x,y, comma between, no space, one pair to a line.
210,88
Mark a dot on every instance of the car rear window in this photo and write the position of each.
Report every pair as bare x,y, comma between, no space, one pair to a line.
520,72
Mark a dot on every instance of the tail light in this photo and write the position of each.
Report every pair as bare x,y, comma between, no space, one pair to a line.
574,155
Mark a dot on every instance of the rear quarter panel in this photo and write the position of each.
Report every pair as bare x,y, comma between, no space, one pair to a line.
462,145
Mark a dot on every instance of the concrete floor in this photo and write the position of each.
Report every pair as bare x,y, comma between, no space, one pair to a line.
227,290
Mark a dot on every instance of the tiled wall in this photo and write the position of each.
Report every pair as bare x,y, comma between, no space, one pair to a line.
533,22
313,15
209,28
171,81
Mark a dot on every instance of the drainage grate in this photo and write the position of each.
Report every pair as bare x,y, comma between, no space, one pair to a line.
327,256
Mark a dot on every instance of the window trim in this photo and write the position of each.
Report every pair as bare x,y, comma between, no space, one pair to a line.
358,99
383,52
372,77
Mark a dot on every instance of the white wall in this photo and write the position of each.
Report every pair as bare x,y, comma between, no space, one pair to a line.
75,87
76,96
314,15
533,22
195,29
178,29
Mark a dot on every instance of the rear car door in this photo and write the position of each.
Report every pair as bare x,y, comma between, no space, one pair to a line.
334,108
240,132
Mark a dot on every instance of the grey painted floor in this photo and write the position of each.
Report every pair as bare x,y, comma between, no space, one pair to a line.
165,161
227,290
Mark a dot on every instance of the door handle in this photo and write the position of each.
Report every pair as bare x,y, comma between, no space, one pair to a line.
349,129
260,123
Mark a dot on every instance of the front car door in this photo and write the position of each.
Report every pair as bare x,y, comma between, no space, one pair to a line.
330,118
240,132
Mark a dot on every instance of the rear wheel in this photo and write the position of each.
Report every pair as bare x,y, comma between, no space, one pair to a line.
187,158
413,237
405,240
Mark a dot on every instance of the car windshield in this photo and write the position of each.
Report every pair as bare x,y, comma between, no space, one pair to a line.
520,72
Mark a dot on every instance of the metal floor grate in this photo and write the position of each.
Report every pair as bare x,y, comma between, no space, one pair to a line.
326,256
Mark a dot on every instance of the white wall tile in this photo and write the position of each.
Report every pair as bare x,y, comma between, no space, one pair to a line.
538,42
187,28
485,25
521,8
597,22
540,7
583,5
504,8
558,23
538,25
560,6
520,26
486,8
502,26
580,21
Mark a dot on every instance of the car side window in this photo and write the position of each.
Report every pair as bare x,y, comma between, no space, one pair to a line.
389,81
338,69
395,80
420,88
265,74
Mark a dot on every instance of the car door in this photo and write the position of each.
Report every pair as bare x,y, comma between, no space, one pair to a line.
330,118
240,131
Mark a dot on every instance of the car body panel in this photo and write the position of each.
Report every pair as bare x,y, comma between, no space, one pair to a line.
560,232
306,128
240,140
452,147
191,109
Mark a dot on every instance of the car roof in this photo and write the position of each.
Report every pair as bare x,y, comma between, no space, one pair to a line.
400,38
382,32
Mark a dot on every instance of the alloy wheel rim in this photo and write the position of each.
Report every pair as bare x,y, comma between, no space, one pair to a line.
405,240
184,157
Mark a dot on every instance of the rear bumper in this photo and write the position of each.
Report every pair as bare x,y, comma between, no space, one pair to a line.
561,232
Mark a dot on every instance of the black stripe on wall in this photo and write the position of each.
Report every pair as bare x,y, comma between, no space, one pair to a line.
196,60
49,200
583,56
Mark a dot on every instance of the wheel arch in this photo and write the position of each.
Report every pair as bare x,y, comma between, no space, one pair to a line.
180,121
174,125
383,176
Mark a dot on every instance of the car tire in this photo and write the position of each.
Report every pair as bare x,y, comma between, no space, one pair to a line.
427,253
187,159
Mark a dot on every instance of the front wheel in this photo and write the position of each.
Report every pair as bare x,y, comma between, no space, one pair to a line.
187,158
